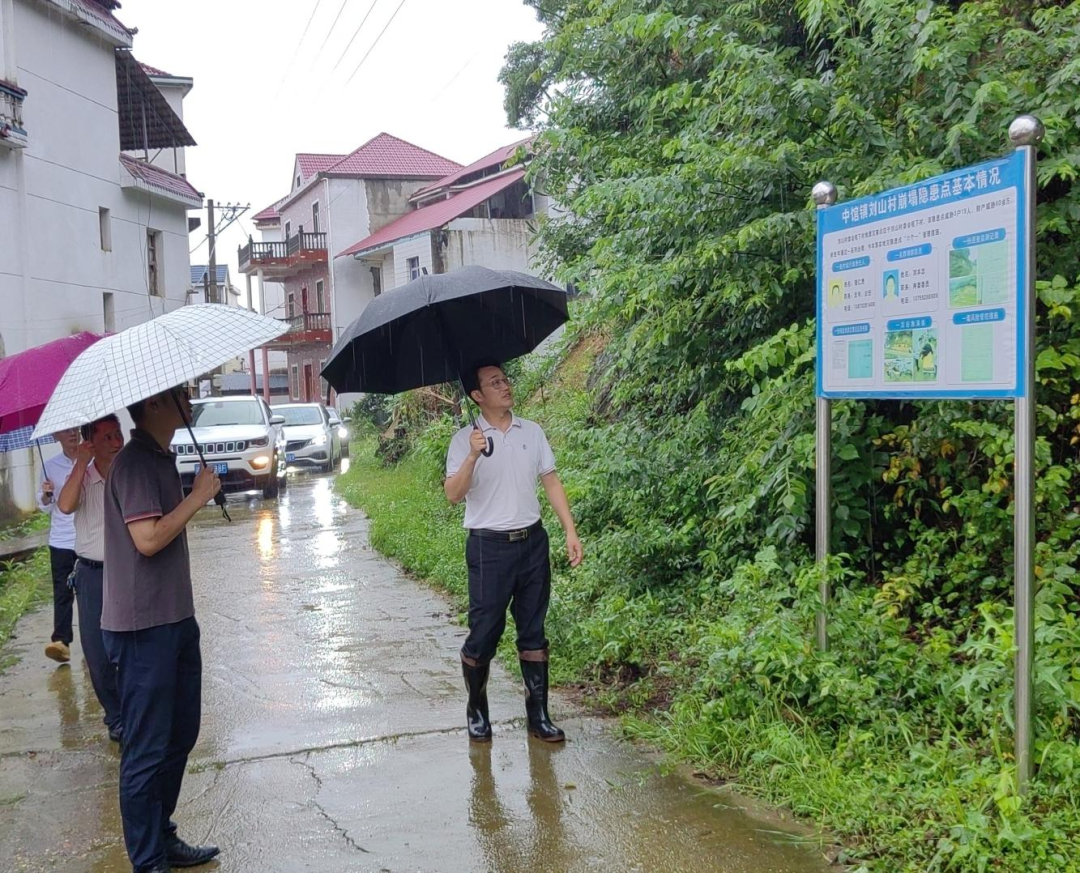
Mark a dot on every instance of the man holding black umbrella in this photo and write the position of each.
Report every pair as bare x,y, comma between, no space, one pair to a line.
493,465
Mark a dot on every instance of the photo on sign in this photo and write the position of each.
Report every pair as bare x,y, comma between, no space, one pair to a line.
978,275
911,355
890,285
836,294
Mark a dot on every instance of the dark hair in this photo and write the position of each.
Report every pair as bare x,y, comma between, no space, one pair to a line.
470,379
87,430
137,411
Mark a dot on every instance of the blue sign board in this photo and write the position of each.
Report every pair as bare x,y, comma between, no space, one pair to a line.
921,289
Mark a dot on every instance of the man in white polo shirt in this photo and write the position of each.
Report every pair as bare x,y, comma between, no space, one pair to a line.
494,466
84,495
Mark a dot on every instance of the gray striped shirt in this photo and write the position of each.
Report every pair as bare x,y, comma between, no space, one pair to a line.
90,517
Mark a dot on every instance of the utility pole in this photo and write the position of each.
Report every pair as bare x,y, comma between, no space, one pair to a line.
212,269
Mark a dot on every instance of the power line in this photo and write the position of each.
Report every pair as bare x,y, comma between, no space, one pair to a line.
296,53
379,37
374,3
341,9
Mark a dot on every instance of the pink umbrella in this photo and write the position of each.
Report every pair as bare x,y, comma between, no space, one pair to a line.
28,379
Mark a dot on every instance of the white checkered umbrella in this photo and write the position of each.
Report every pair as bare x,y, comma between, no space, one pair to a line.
145,360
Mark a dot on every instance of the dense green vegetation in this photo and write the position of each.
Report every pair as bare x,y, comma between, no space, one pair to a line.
685,136
23,586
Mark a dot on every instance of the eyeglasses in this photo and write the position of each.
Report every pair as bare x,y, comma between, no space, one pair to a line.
499,383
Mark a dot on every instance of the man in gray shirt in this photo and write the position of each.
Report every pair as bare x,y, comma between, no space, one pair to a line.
149,630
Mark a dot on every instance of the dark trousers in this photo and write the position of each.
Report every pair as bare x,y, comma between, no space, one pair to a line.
63,562
504,574
102,672
159,675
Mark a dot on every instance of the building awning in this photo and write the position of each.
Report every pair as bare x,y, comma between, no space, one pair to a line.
147,121
435,215
161,182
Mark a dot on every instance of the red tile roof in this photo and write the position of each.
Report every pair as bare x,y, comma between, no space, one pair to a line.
269,214
386,156
496,159
154,71
102,12
161,180
315,162
435,215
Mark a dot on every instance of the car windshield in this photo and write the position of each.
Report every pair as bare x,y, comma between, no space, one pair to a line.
218,412
296,415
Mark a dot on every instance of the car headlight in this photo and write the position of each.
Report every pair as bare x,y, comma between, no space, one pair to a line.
259,443
320,440
260,462
343,432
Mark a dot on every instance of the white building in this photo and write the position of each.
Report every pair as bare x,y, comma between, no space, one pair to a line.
333,199
483,214
93,203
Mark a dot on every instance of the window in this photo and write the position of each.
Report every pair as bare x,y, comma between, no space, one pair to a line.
288,230
294,382
290,308
108,306
218,413
154,282
297,180
315,217
376,280
413,266
105,229
320,302
299,416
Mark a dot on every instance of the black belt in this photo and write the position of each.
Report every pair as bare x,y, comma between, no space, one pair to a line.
93,565
506,536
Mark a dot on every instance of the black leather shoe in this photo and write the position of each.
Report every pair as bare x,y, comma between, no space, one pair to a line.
180,854
476,712
116,735
535,676
159,868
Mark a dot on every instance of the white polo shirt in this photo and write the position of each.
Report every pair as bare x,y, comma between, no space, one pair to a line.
90,516
61,525
502,495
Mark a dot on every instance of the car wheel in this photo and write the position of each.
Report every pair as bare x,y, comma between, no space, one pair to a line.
270,489
283,483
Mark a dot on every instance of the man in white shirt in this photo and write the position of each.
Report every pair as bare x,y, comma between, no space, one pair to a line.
494,466
61,542
84,496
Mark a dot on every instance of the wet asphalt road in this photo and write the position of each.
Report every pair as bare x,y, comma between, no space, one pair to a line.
333,736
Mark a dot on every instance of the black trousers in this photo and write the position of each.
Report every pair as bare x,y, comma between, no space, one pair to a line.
102,672
504,574
62,562
159,676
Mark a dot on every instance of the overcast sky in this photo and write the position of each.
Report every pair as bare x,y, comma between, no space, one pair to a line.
261,94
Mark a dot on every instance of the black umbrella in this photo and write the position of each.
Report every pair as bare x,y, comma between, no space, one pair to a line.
436,328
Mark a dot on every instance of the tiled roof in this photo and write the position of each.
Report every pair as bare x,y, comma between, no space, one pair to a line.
154,71
161,180
269,214
200,270
101,12
435,215
496,159
386,156
314,162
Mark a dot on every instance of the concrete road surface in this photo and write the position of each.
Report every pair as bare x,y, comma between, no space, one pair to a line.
333,735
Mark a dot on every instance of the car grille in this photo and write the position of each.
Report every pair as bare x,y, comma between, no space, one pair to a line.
294,445
221,448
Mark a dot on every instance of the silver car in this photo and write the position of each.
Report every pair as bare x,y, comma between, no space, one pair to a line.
310,440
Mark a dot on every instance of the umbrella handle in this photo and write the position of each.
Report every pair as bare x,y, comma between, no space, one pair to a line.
219,498
490,450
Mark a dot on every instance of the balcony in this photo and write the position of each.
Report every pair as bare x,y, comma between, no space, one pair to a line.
282,259
12,133
308,329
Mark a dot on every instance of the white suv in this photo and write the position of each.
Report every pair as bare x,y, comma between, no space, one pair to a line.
241,438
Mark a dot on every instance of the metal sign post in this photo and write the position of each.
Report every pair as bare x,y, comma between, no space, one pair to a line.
824,195
928,292
1025,133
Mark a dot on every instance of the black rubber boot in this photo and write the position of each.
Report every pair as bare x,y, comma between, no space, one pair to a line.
535,675
476,713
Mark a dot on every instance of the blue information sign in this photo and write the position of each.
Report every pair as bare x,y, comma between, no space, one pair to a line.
920,289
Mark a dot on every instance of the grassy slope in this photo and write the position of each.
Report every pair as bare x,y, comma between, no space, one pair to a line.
23,587
882,794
